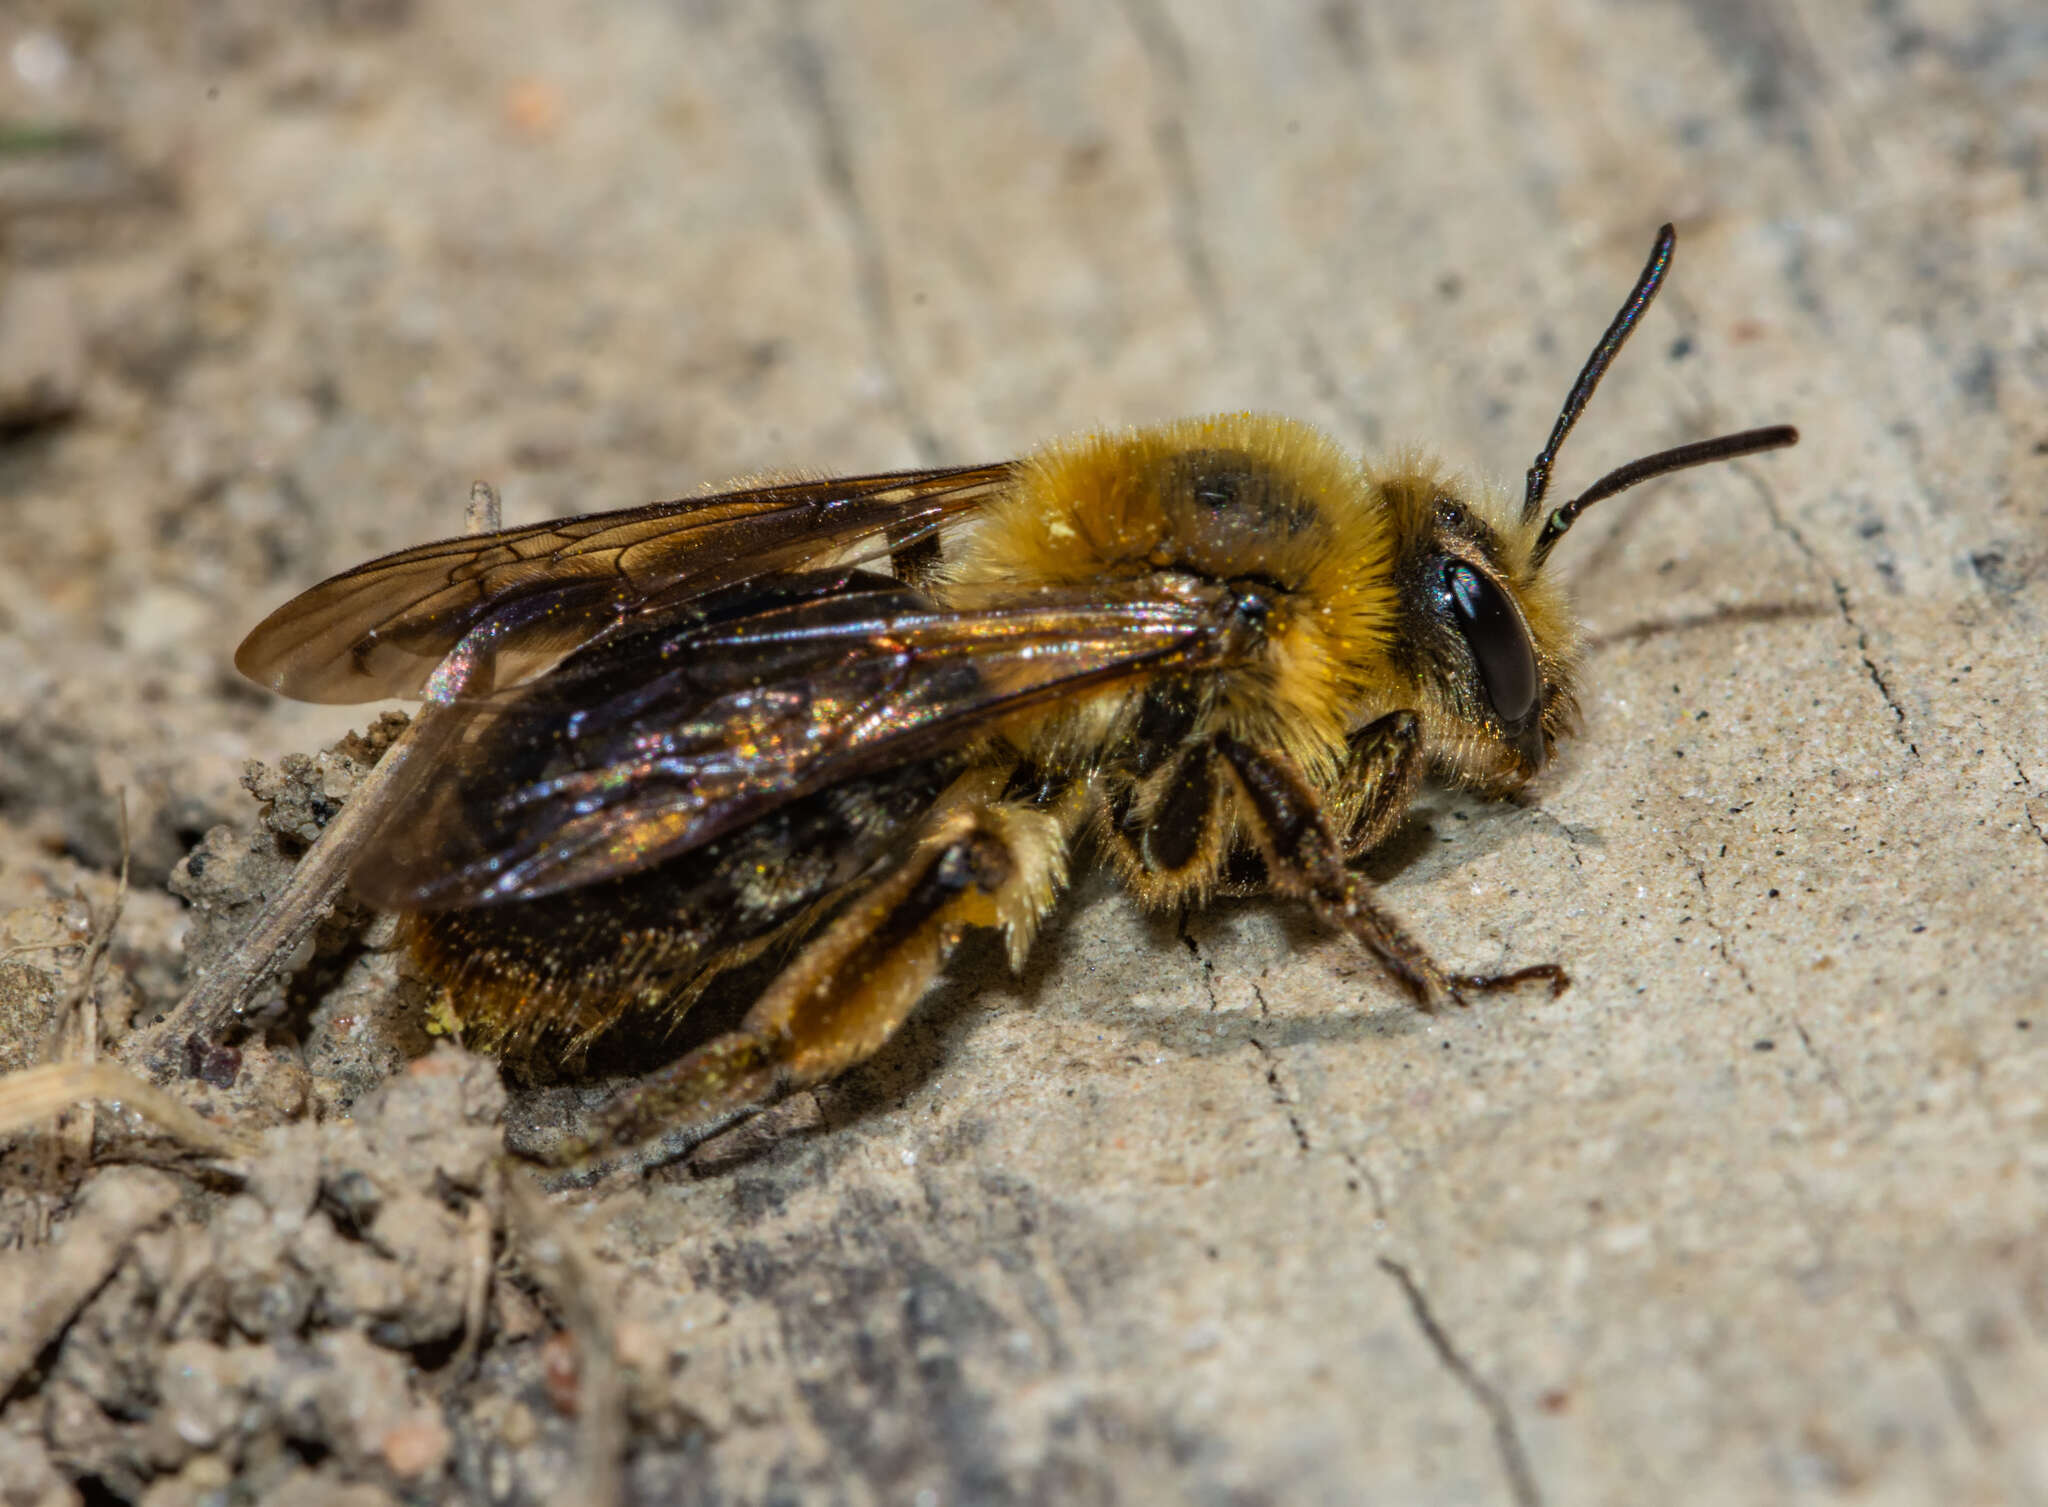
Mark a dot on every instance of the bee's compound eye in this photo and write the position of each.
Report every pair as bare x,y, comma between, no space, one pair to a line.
1499,643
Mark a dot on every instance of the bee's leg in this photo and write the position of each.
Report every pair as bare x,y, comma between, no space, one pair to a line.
1382,766
1304,859
980,862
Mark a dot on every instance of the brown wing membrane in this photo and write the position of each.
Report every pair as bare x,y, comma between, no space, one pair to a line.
643,748
538,593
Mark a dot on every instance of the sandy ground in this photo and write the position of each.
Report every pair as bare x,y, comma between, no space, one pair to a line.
1757,1211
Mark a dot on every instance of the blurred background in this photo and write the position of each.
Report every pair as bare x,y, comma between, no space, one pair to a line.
1754,1213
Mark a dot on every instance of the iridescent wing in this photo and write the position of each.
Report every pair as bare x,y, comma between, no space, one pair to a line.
534,595
647,746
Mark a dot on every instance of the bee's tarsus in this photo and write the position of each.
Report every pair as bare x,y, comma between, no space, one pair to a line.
1490,983
1306,861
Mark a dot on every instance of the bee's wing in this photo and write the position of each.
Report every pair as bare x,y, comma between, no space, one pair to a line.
536,594
642,749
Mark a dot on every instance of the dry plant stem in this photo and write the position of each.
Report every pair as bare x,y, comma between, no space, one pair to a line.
77,1024
482,1234
306,900
35,1093
486,515
556,1258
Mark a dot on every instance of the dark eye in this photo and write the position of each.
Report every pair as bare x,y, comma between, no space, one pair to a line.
1499,643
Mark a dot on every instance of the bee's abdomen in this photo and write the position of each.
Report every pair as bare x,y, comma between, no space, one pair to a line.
570,964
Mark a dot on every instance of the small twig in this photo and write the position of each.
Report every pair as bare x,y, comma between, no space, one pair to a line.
78,1017
36,1093
482,1233
555,1257
486,514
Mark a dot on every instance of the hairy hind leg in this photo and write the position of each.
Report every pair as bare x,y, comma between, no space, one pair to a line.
979,862
1304,859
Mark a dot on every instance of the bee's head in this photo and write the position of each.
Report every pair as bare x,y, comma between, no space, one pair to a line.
1489,640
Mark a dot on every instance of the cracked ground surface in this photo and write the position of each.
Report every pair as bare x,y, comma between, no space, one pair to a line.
1192,1210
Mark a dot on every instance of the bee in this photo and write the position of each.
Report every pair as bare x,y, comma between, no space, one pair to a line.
1220,652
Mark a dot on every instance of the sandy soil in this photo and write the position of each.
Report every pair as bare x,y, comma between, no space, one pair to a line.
1757,1211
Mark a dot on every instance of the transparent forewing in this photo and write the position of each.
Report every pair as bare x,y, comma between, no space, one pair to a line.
533,595
641,749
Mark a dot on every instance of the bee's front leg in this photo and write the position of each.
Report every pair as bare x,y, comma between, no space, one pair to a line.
979,862
1305,860
1382,766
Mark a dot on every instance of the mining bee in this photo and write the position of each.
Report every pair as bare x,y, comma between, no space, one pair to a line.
1221,651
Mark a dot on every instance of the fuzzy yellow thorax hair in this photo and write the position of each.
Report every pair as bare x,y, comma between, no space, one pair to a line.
1305,518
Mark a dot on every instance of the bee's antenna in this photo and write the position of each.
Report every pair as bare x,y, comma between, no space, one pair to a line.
1678,458
1610,345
